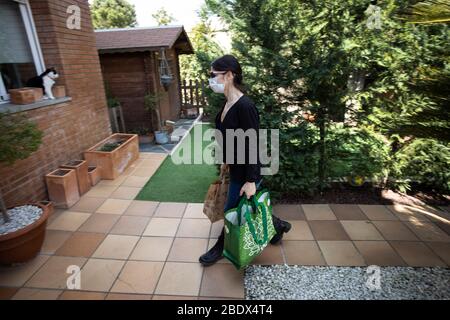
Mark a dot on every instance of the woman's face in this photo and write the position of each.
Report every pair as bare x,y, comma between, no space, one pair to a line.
224,77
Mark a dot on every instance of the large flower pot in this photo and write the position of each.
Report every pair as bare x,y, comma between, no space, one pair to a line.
24,244
81,169
114,162
62,187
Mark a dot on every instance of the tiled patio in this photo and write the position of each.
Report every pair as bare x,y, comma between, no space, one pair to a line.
131,249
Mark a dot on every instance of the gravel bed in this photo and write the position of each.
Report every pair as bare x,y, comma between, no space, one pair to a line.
21,217
283,282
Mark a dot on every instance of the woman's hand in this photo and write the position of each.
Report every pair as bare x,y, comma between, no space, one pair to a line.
249,188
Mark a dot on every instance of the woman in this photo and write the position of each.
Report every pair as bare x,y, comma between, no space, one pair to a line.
239,112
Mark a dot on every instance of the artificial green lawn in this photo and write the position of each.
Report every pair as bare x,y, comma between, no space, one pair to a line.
180,183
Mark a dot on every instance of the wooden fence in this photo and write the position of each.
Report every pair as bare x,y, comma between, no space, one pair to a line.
193,94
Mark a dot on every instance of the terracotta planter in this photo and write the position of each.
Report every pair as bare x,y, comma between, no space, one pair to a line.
81,168
25,95
49,205
63,187
94,175
148,138
113,163
23,245
59,91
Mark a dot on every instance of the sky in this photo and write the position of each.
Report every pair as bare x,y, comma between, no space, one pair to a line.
184,12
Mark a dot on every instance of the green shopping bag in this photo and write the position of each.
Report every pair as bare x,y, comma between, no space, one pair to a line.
248,229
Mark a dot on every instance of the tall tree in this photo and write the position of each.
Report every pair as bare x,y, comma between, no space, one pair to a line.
162,17
107,14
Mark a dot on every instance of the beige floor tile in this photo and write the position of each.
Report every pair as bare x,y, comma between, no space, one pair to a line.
271,255
222,280
141,208
216,229
138,277
379,253
306,253
187,249
300,231
116,247
54,239
127,296
172,297
143,172
442,249
194,211
361,230
113,183
99,223
152,249
87,204
114,206
427,231
340,253
130,225
162,227
53,274
170,210
150,163
377,212
100,191
347,212
17,276
82,295
318,212
69,221
328,230
81,244
36,294
100,274
180,278
194,228
289,211
135,181
417,254
408,213
394,230
127,193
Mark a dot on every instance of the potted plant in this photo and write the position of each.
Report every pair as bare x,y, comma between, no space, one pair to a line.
113,155
151,103
145,135
22,227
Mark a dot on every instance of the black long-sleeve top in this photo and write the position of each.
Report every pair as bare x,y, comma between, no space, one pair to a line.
243,114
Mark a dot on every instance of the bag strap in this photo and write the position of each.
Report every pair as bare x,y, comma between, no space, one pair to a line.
251,226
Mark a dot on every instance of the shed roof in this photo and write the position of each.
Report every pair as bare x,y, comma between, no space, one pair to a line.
143,39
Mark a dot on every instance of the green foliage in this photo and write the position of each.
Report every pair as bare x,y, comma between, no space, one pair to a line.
424,163
356,151
19,137
428,11
108,14
162,17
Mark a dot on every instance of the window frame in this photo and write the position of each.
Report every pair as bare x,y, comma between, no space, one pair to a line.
33,41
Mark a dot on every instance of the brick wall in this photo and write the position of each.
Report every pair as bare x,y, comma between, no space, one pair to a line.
69,128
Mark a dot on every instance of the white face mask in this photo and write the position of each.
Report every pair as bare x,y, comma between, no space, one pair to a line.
215,86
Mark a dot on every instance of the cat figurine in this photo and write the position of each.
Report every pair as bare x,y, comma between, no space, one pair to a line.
46,80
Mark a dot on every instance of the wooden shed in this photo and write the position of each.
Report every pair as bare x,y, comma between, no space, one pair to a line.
131,66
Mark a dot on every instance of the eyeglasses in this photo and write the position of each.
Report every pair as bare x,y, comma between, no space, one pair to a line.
215,73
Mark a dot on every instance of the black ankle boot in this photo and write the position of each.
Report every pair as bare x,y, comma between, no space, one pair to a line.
215,253
281,227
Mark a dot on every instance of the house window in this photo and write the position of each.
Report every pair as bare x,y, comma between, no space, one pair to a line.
20,55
